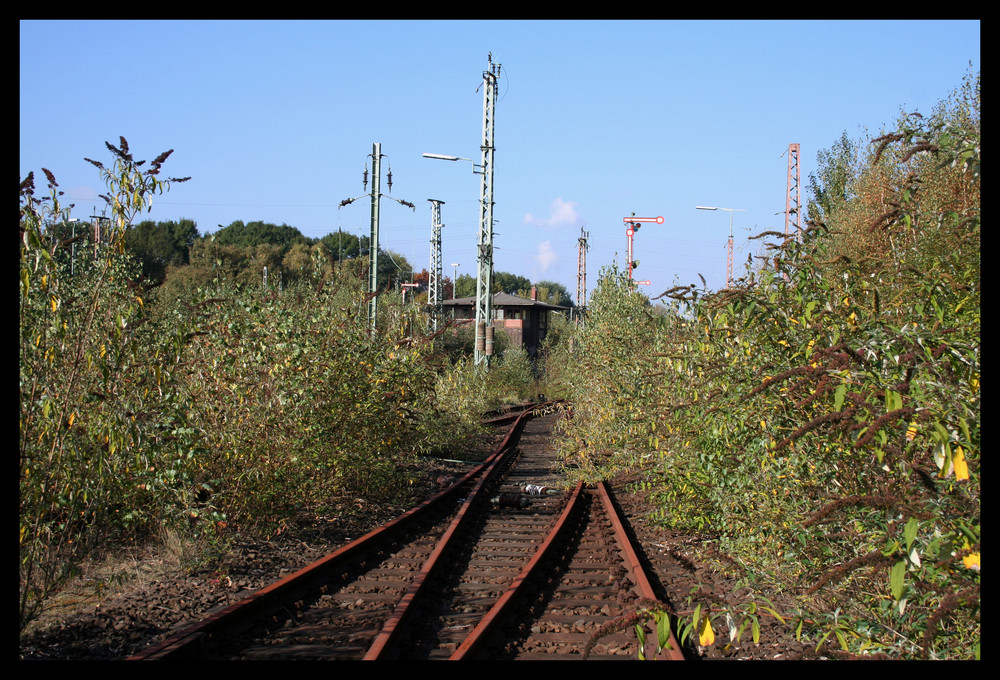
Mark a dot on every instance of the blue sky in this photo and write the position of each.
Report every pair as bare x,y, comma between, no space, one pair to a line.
595,120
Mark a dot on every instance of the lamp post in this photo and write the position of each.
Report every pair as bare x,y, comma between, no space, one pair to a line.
454,278
729,260
484,278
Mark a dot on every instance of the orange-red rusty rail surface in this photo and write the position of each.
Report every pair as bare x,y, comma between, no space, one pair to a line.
672,650
478,638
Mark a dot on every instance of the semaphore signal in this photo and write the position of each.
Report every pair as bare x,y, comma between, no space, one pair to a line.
633,226
657,220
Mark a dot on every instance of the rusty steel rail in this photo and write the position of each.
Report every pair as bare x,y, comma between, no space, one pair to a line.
476,639
387,644
507,416
479,638
383,647
673,650
188,642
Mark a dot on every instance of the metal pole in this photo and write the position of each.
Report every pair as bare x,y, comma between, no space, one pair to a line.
729,258
484,279
630,231
435,279
792,212
581,275
373,240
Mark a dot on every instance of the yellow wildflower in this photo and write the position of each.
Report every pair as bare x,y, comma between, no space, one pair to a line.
971,561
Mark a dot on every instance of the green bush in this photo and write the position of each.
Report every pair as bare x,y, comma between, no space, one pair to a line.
818,422
215,400
99,422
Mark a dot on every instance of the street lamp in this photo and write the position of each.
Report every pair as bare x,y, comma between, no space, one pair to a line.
443,157
729,261
454,278
484,277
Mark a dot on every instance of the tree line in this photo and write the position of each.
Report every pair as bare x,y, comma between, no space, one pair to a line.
241,251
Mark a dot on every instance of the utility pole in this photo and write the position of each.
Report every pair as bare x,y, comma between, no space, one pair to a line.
373,241
581,274
484,258
435,279
792,204
484,279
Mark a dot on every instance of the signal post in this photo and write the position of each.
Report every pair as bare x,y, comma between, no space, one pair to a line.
632,225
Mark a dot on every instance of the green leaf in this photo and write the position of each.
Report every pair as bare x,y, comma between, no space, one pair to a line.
838,396
774,614
896,577
842,639
809,308
893,400
910,532
662,630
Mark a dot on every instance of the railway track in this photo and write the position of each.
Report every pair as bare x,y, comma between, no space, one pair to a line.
504,564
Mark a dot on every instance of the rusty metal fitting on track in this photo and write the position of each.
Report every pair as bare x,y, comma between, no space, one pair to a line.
510,500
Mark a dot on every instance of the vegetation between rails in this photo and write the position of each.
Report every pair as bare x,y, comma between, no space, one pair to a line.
818,422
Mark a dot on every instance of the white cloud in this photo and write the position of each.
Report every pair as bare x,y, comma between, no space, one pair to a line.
561,214
545,257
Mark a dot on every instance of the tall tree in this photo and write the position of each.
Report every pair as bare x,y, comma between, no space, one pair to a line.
504,282
465,286
158,245
553,293
343,245
258,232
393,269
830,185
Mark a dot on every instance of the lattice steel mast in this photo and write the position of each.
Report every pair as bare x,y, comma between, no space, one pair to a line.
792,201
435,279
484,278
581,274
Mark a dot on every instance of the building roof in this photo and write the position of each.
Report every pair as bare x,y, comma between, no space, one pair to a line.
502,300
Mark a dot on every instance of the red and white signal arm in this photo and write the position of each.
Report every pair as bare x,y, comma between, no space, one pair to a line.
642,283
656,220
